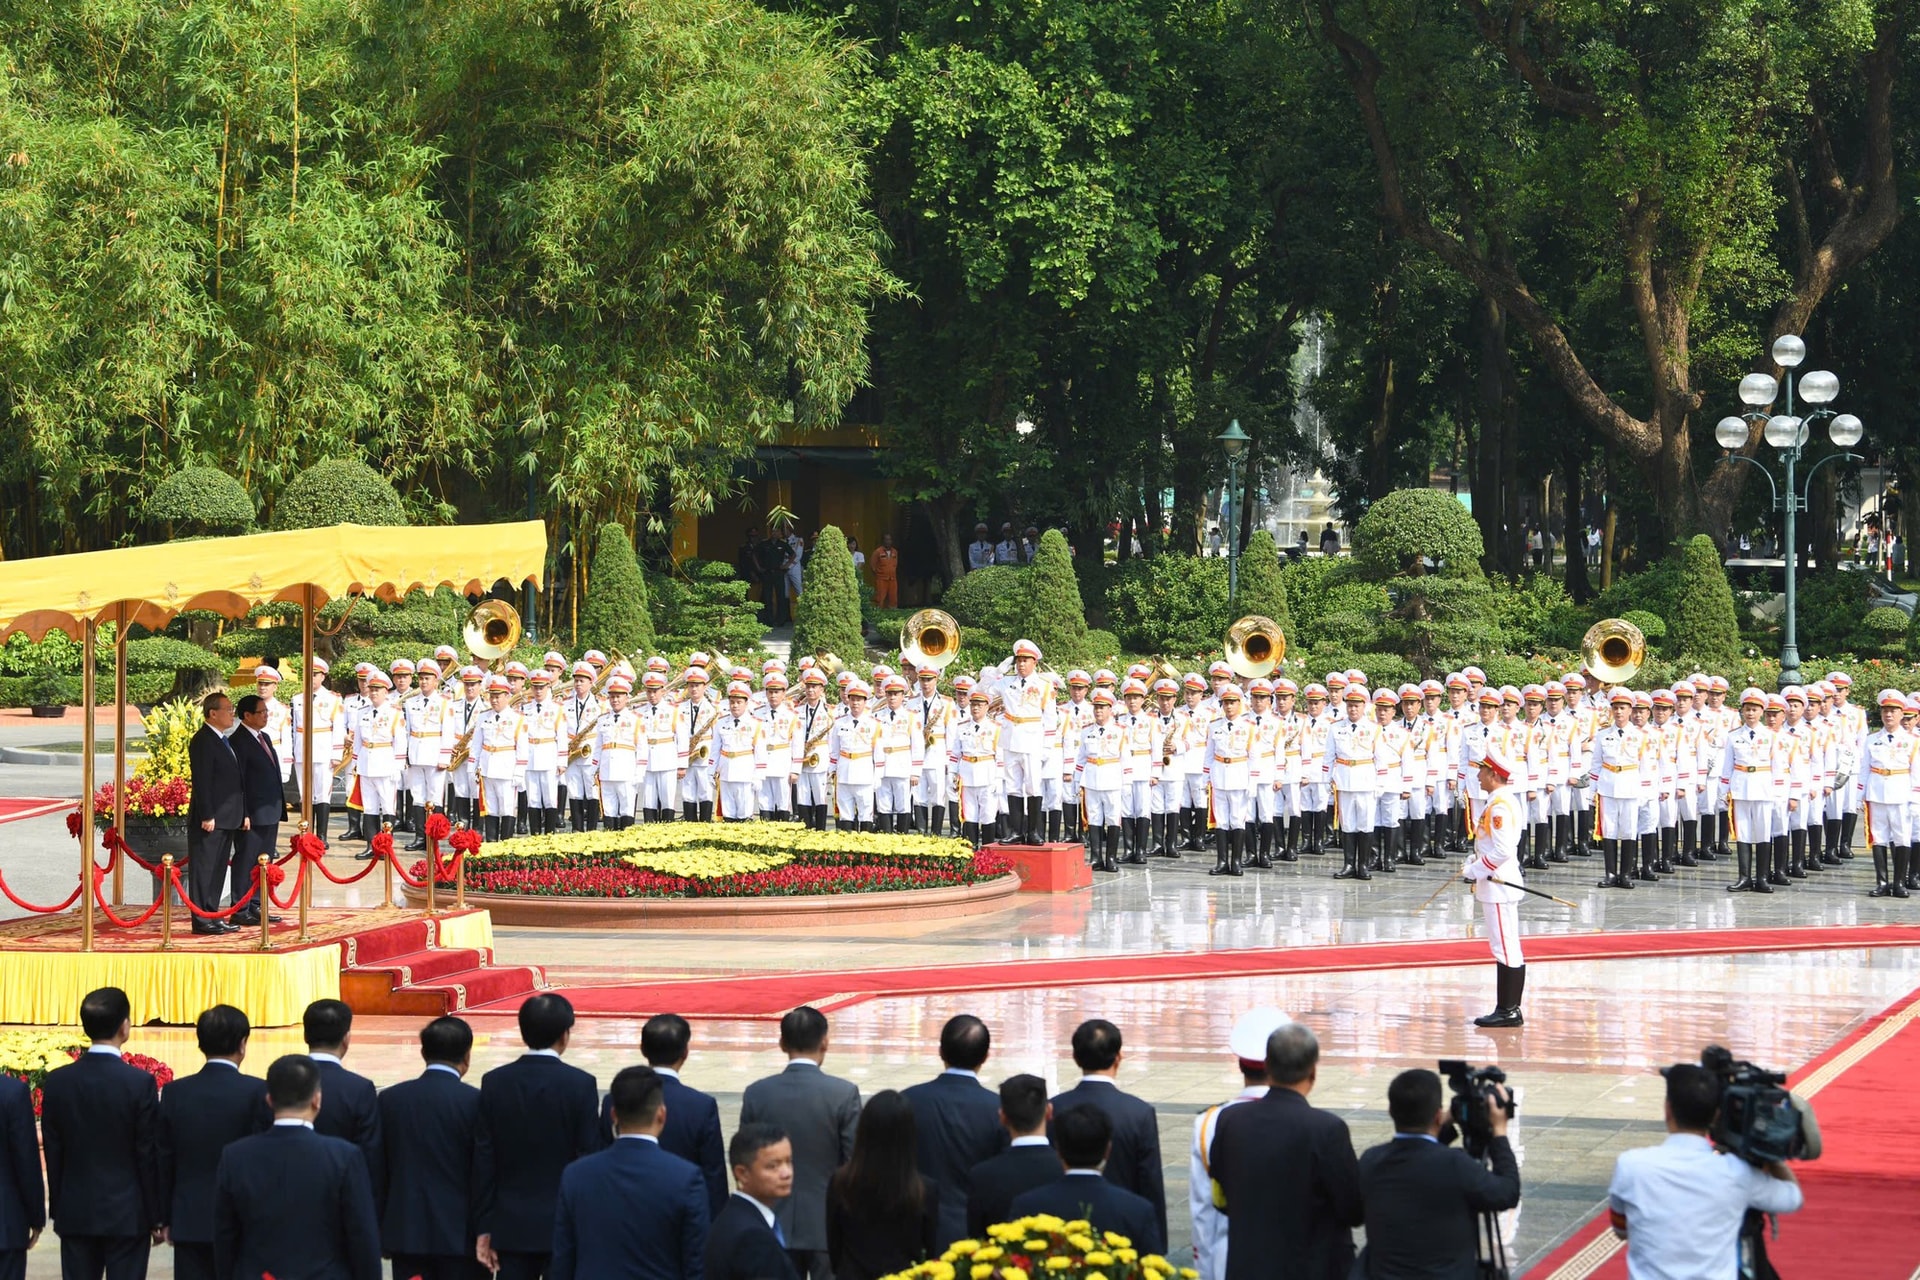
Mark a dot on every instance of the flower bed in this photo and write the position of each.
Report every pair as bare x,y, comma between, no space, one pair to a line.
722,860
1046,1246
30,1056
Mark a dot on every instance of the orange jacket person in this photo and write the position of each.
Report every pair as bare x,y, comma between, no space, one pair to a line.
886,574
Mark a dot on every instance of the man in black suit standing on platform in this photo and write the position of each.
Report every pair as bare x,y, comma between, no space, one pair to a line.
537,1116
956,1120
634,1211
100,1120
352,1107
1085,1137
1135,1161
1287,1173
201,1115
429,1126
216,813
692,1129
818,1113
266,803
23,1192
1424,1200
1028,1162
747,1241
292,1202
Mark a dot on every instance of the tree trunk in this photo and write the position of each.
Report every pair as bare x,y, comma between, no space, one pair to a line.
943,516
1572,533
1156,517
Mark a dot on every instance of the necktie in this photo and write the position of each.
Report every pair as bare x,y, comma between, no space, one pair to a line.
268,744
779,1236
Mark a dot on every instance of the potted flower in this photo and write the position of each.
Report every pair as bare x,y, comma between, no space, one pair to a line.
161,790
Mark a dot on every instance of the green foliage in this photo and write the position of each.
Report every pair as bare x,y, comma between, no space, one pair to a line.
1411,525
1103,648
1651,625
1307,582
1705,627
159,653
1262,589
1883,632
144,688
616,615
1172,605
202,500
1530,611
1832,604
1913,638
1654,590
987,604
1383,669
427,618
169,729
1050,612
703,605
338,491
826,618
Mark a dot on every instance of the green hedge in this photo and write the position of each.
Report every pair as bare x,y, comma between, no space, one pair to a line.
1170,604
986,603
703,604
338,491
143,687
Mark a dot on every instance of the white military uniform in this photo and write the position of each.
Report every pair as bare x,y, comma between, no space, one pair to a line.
582,718
1098,771
783,759
1885,785
816,726
975,755
851,748
616,760
428,748
663,739
1496,844
547,745
379,747
1348,768
328,742
500,756
740,748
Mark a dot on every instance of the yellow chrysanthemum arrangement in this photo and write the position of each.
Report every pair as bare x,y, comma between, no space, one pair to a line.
1046,1248
714,849
30,1055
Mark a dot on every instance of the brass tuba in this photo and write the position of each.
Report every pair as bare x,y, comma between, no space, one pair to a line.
1255,646
1613,650
492,630
930,638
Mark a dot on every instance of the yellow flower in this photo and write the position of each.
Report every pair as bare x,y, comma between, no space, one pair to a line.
1188,1273
990,1253
964,1247
1128,1256
1116,1240
1058,1263
1095,1258
1078,1224
1080,1242
1096,1275
1013,1273
1157,1262
940,1270
1036,1246
981,1270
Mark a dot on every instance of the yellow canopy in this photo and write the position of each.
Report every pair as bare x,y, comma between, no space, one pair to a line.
230,575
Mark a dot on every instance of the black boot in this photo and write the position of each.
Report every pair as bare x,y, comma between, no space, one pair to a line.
1669,841
1649,845
1689,832
1363,840
589,815
1882,886
969,831
1388,842
1560,842
1506,1011
1289,840
1798,844
1762,857
1237,842
1618,857
1219,852
1259,848
1902,870
1349,853
1847,821
1830,853
1912,879
1777,875
937,821
1138,855
1412,839
1053,826
322,815
1070,822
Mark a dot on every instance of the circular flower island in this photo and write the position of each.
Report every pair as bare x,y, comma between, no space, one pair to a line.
719,874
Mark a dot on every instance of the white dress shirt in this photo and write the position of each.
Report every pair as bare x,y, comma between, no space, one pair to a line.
1682,1203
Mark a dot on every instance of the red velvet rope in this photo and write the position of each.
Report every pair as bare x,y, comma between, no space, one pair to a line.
276,875
24,905
100,900
233,910
112,841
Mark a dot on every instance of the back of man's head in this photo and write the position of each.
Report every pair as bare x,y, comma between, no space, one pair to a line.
964,1042
326,1023
221,1031
803,1030
1413,1099
1082,1136
664,1040
544,1019
1096,1045
1023,1100
1693,1095
446,1041
1293,1051
104,1012
636,1094
292,1081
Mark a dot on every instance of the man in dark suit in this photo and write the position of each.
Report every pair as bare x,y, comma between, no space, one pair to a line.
747,1241
1028,1162
1423,1200
201,1115
1287,1174
217,811
634,1211
266,802
427,1130
1135,1162
693,1118
352,1107
956,1121
99,1120
537,1116
23,1193
818,1114
291,1202
1084,1137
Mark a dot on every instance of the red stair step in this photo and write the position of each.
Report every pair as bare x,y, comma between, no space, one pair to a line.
424,968
470,987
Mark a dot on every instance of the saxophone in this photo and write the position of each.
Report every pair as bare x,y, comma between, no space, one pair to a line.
814,740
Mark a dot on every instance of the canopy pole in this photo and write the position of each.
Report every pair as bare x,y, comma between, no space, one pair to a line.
306,727
120,746
89,634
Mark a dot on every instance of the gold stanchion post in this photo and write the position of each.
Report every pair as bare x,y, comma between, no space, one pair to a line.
431,877
266,903
460,881
166,902
387,876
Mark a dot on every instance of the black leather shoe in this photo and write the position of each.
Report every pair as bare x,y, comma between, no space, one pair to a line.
211,928
1507,1017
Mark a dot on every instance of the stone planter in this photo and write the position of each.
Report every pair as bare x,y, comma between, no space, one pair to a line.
48,713
154,838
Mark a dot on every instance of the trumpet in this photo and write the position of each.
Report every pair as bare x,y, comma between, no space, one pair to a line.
930,638
1255,646
1613,650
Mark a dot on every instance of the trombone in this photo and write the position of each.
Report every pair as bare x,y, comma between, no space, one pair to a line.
1613,650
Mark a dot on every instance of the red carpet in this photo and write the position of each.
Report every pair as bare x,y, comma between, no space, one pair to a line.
14,808
771,995
1859,1221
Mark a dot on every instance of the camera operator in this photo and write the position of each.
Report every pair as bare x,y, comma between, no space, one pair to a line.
1680,1205
1423,1199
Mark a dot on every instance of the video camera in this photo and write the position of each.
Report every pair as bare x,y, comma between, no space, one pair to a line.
1472,1106
1759,1120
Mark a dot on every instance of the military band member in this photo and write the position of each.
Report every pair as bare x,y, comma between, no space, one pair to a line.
428,748
783,750
1099,764
1347,771
816,716
1455,717
934,714
1853,731
1027,713
1288,808
1263,770
740,757
619,751
697,715
581,712
1885,789
1393,779
500,756
1584,719
1614,774
1716,722
1076,713
1139,760
379,747
547,746
1746,771
316,776
1227,767
462,715
975,755
1413,723
1196,715
1802,782
1495,873
900,753
664,750
351,705
1314,794
279,730
1170,784
851,748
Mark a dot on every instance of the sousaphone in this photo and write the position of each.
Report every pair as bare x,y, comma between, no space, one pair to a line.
1613,650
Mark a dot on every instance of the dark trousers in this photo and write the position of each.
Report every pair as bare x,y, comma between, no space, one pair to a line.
111,1257
255,842
208,853
437,1266
774,587
192,1261
812,1264
525,1266
13,1264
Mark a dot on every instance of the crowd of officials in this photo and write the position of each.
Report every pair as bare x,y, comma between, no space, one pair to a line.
533,1174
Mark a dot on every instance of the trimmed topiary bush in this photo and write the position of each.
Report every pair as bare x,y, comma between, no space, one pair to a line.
201,500
1409,525
827,617
338,491
1704,624
1172,605
1653,627
703,605
616,615
987,604
1882,631
1261,589
1050,612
